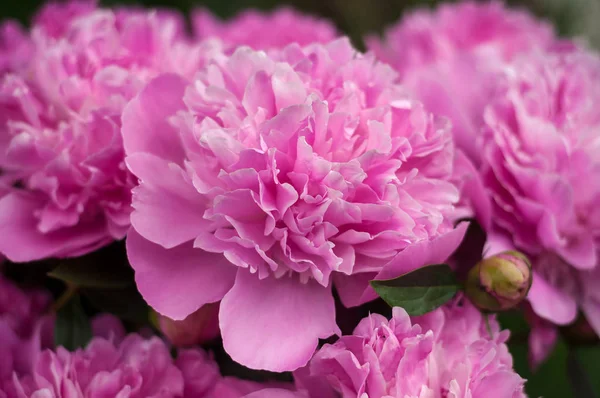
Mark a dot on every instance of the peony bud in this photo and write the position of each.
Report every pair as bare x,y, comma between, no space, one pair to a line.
199,327
500,282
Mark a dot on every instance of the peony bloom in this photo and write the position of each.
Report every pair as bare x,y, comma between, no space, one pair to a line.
133,368
284,174
24,328
449,352
125,366
60,124
541,167
447,57
263,31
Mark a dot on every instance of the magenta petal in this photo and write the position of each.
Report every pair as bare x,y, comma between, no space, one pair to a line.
165,198
418,255
145,119
424,253
275,324
22,241
550,303
542,340
352,288
176,282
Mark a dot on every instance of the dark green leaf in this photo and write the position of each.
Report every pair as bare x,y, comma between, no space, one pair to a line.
72,328
578,376
106,268
419,291
553,369
126,303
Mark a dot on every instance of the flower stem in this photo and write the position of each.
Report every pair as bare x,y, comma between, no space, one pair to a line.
64,298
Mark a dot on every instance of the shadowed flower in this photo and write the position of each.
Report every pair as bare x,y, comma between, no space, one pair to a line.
60,124
124,366
197,328
284,173
24,328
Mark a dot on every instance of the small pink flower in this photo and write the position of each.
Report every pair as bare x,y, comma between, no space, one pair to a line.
60,124
263,31
449,352
284,174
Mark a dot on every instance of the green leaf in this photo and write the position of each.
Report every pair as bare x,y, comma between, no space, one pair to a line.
106,268
72,328
419,291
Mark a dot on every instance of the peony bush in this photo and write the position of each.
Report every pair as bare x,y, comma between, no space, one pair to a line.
254,207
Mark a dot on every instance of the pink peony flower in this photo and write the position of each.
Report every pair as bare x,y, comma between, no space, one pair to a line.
540,165
447,353
125,366
60,124
263,31
284,174
448,57
24,328
133,368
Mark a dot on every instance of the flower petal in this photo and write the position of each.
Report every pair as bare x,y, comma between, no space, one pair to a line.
176,282
275,324
22,241
164,198
146,126
550,303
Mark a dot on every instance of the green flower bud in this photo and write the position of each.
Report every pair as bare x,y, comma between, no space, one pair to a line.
500,282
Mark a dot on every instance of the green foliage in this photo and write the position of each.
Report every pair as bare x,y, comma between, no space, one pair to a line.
106,268
72,328
419,291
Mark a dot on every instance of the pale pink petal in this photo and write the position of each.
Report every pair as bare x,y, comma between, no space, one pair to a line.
176,282
550,303
146,126
22,240
276,316
165,198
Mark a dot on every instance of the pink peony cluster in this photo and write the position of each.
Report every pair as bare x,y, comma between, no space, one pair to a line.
262,166
125,366
263,31
540,163
60,113
25,329
451,352
285,174
521,103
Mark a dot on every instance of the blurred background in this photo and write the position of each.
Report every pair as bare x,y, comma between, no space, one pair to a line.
356,17
574,368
